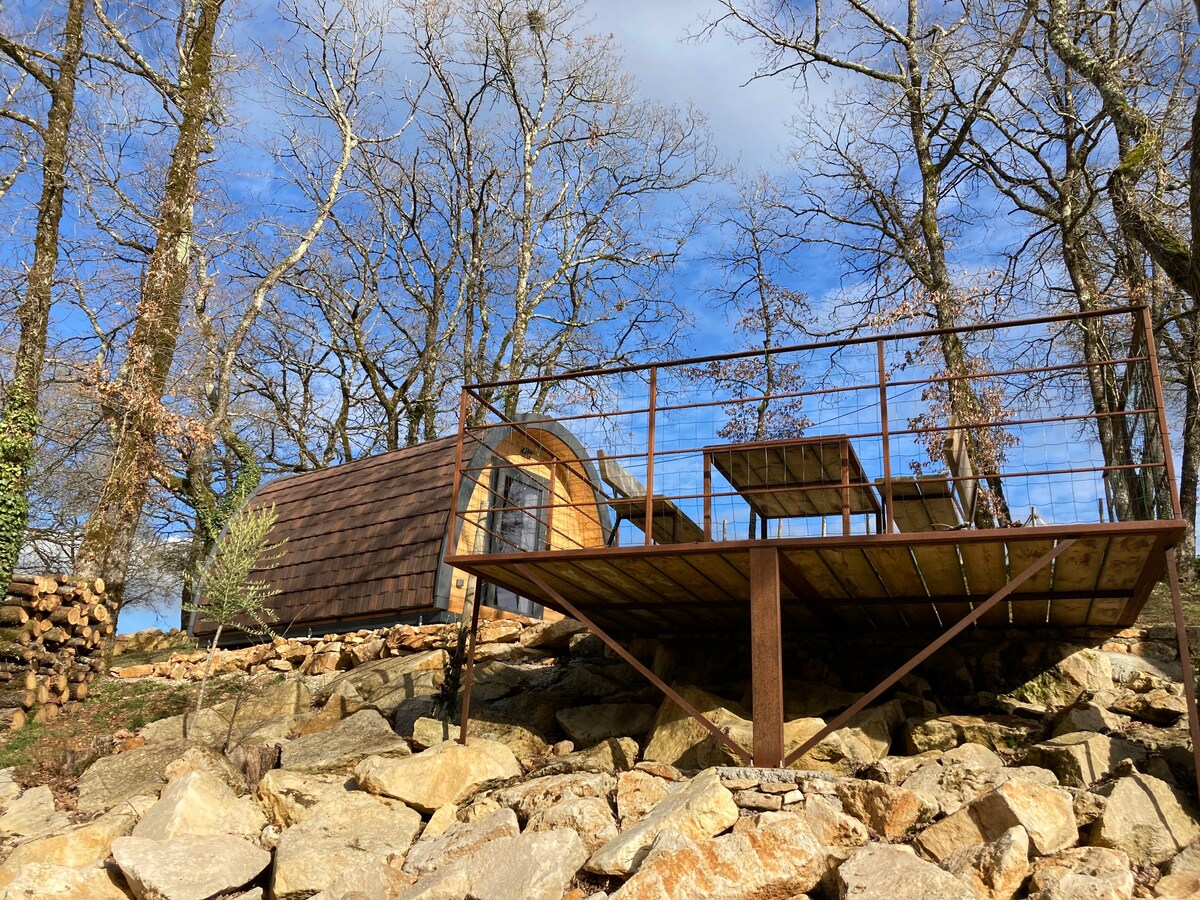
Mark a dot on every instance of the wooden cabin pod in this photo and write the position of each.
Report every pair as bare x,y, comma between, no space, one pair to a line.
367,540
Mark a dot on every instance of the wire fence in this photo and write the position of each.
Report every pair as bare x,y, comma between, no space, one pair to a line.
1056,420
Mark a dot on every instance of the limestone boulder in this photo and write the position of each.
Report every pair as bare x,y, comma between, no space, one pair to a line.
609,756
865,739
379,879
1181,877
1087,715
678,739
1082,873
199,758
894,872
9,789
946,732
523,741
267,700
289,797
385,684
1146,819
531,866
445,773
1046,813
778,858
995,870
589,817
113,779
32,814
214,727
188,867
1082,758
342,747
888,811
77,847
339,835
200,803
973,756
47,880
529,797
701,809
551,635
587,725
637,793
954,786
830,824
1158,707
461,839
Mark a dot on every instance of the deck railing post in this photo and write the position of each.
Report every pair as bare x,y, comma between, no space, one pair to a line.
708,506
652,405
1163,429
458,473
1185,662
888,521
553,493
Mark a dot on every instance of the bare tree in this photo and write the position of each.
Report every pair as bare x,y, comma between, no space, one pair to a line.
914,82
328,82
133,401
55,73
1154,186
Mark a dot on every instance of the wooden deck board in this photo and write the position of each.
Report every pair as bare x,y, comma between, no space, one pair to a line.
863,582
1021,555
894,566
1078,569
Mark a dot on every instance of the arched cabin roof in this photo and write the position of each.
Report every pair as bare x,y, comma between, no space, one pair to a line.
365,539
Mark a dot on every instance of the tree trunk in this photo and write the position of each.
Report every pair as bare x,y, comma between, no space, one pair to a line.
137,413
18,420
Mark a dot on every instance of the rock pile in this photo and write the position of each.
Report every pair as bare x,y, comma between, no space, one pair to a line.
578,783
52,632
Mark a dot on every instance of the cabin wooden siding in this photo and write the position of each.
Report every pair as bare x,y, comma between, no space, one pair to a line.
366,539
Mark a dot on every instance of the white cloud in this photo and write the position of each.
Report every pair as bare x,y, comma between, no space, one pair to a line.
748,120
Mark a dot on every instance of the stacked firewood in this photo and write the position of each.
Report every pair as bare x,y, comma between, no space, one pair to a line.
53,631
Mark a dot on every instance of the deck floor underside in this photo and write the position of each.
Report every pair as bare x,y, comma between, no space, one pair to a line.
880,582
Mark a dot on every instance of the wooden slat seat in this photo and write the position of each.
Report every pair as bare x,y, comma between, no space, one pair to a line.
923,503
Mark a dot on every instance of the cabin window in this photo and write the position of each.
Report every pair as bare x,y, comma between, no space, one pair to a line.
517,523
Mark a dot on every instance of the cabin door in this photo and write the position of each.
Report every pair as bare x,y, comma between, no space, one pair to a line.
517,524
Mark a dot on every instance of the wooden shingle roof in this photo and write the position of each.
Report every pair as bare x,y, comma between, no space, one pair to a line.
363,538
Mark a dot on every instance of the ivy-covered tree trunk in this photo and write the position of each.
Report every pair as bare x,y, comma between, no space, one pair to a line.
19,417
134,404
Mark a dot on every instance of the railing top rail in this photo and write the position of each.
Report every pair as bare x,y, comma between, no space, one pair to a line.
816,345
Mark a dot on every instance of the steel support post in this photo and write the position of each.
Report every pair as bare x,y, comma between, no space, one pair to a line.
1185,662
961,625
469,678
738,751
766,657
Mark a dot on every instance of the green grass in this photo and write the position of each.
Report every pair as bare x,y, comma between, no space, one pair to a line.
57,752
17,749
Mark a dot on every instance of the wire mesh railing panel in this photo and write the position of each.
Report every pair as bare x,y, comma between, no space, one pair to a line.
1018,424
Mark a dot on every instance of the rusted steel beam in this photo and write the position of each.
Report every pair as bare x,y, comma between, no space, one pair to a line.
651,415
646,673
469,677
1160,403
766,657
888,522
859,705
819,345
1185,662
857,541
